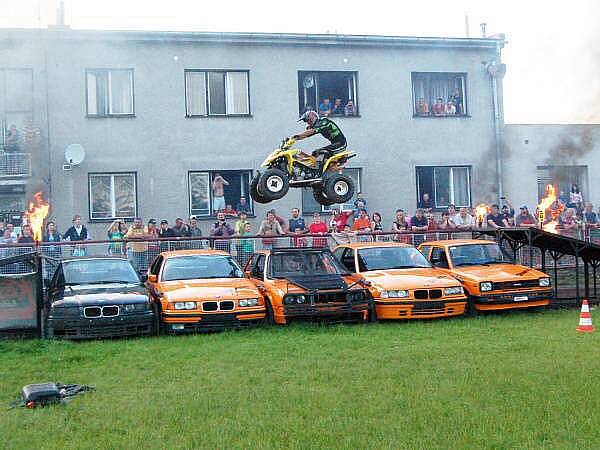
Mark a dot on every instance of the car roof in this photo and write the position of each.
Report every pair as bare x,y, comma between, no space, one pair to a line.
457,242
194,252
284,250
91,258
359,245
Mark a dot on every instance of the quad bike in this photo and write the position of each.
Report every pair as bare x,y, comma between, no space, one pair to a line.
288,167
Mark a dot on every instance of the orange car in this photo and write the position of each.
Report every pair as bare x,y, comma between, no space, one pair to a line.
402,282
491,280
307,283
202,290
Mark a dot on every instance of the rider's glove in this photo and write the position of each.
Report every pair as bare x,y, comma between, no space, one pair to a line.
315,153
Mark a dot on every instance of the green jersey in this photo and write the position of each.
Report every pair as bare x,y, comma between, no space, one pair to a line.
329,130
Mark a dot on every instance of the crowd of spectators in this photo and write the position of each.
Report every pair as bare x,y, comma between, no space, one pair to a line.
441,107
336,108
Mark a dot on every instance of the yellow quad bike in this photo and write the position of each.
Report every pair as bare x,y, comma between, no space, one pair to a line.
288,167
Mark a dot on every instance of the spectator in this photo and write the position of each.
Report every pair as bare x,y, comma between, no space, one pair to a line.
422,107
563,197
152,231
193,228
449,109
282,222
136,250
77,233
362,223
376,224
349,109
270,227
229,211
438,108
360,206
10,227
221,229
360,202
2,227
297,226
50,236
115,233
243,206
495,219
325,108
402,222
340,219
508,212
180,229
590,218
419,222
446,223
425,204
245,247
318,227
524,218
218,191
165,231
346,236
240,225
457,101
338,108
12,140
568,223
575,198
451,211
463,220
7,237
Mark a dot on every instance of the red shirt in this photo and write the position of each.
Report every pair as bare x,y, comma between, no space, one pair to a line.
361,224
317,228
341,220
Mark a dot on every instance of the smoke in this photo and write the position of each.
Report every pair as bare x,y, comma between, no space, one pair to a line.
571,148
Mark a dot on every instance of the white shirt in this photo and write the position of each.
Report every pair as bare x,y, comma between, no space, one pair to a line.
467,220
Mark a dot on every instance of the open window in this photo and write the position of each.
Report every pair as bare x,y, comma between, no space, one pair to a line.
439,94
109,92
212,191
217,93
445,185
438,257
330,93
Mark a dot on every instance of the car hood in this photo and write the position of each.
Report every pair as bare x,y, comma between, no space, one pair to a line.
409,278
299,285
216,288
497,272
99,294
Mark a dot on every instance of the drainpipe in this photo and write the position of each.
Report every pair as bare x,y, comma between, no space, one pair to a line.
496,70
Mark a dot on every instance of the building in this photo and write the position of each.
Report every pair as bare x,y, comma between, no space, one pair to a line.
159,114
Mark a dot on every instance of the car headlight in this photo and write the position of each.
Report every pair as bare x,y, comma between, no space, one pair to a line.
544,282
248,302
456,290
294,299
485,286
129,308
185,305
399,293
65,311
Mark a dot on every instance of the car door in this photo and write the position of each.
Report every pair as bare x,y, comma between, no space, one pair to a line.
153,277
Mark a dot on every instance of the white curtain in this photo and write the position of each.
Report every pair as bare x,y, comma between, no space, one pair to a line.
195,83
431,86
237,93
92,99
120,88
460,178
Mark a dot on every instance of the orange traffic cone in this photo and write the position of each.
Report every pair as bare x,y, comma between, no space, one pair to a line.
585,319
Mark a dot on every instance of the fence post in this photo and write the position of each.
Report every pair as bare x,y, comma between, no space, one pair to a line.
41,329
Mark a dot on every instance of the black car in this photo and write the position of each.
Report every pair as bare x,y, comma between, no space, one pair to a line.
97,297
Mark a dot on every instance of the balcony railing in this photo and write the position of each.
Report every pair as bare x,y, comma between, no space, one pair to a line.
15,165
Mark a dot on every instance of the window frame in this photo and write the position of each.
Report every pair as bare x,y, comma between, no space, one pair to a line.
207,92
303,73
451,185
211,172
465,89
108,114
329,209
112,175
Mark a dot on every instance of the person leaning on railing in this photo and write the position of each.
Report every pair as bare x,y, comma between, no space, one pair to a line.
137,251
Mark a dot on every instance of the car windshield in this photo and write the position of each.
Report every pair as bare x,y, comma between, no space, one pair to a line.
200,266
302,263
99,271
381,258
476,254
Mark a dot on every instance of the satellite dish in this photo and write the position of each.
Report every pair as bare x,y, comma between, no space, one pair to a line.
75,154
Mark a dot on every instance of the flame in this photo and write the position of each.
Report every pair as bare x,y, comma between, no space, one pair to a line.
37,212
545,205
481,212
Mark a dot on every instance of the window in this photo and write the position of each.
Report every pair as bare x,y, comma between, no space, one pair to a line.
16,102
562,177
109,92
445,185
438,257
333,93
216,93
113,195
202,190
310,205
439,94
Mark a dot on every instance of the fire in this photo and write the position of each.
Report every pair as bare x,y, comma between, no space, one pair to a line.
481,212
37,212
545,205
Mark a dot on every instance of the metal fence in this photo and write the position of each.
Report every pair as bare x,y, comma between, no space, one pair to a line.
15,164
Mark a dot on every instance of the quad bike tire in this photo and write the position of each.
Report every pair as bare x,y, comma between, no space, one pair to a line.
254,193
338,188
273,184
320,197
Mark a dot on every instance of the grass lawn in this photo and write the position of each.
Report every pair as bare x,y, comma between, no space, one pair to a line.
524,379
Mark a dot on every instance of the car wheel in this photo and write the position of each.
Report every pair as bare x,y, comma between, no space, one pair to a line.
320,197
257,196
273,184
339,188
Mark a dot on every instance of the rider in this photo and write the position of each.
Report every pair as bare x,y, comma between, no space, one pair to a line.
327,128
